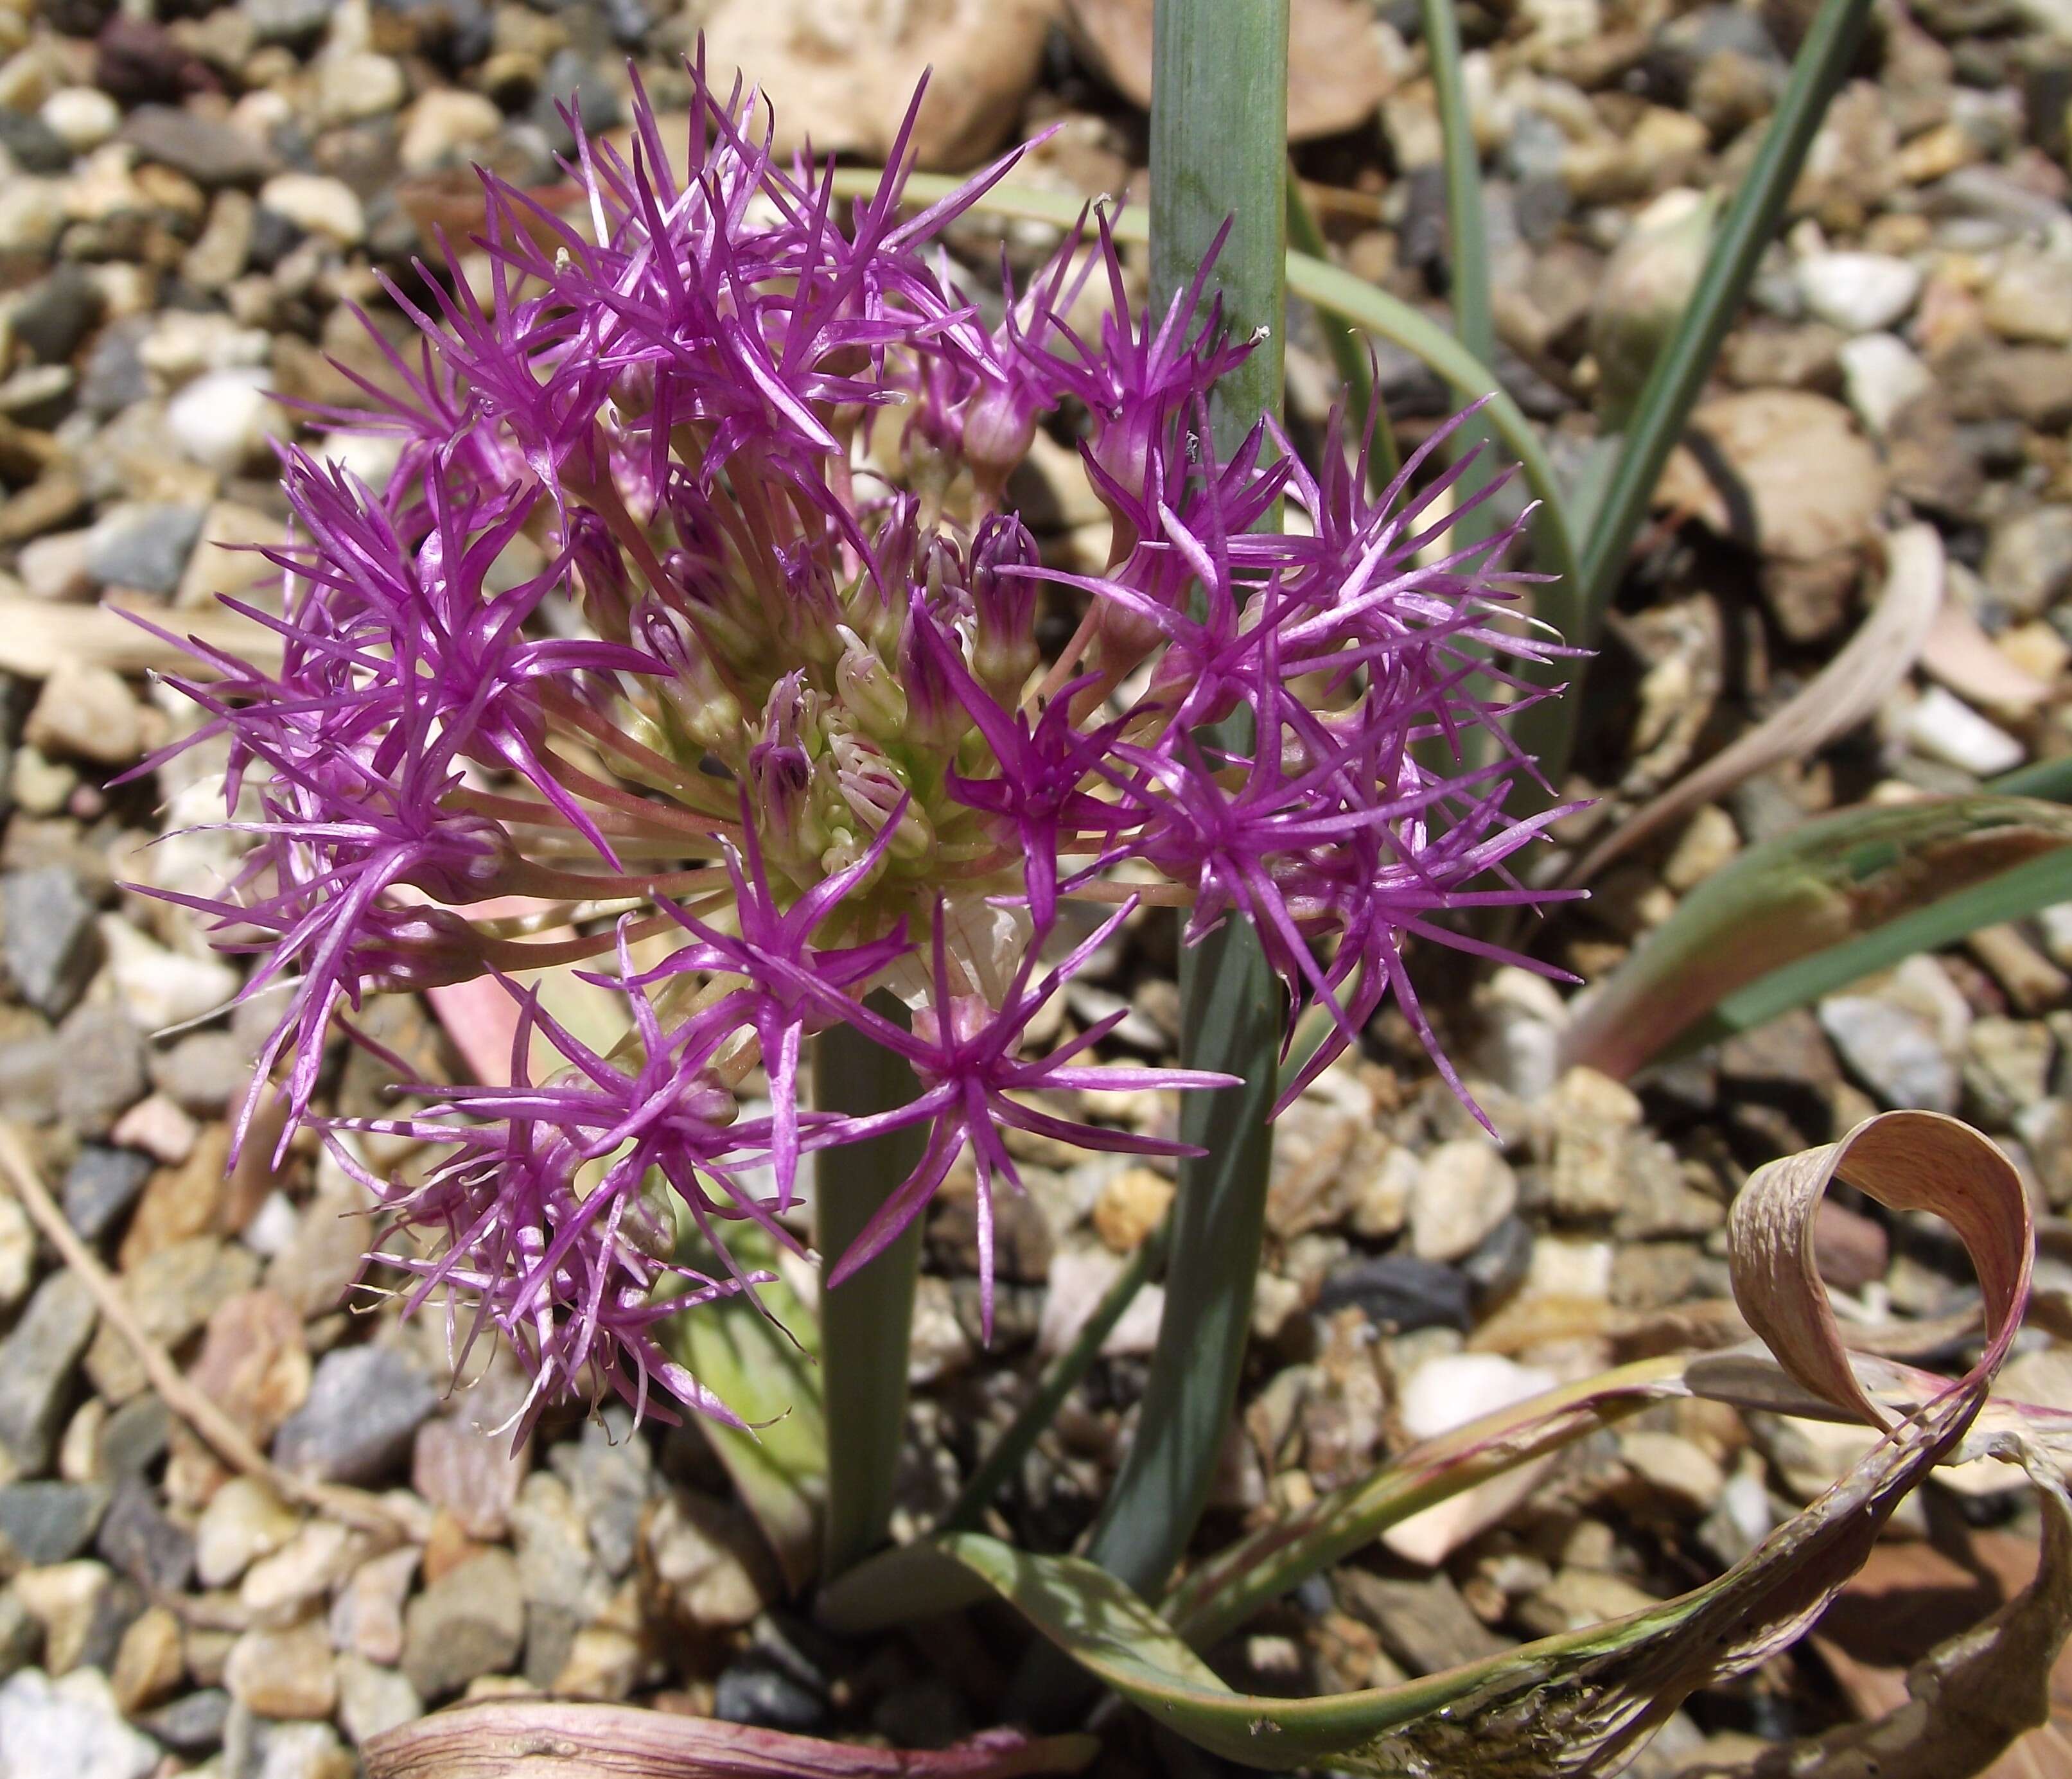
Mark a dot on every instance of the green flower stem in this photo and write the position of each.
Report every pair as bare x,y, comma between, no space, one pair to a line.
1218,148
867,1323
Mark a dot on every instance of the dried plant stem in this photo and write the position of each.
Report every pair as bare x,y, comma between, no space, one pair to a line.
222,1435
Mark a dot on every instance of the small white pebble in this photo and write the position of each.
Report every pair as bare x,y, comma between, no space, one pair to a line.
81,117
1456,1388
1880,375
1859,293
1942,726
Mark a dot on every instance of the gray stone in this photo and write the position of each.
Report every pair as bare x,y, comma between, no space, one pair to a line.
611,1473
1499,1265
365,1404
192,1725
31,1072
1397,1292
100,1186
46,1523
138,1539
145,545
559,1570
115,375
56,312
372,1698
2028,561
69,1729
208,151
469,1623
31,144
36,1363
1424,1624
52,945
1892,1051
204,1072
136,1436
572,82
101,1068
755,1691
297,23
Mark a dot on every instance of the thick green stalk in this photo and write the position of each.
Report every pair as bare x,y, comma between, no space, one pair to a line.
866,1324
1219,137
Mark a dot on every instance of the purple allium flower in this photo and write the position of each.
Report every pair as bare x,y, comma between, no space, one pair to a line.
692,616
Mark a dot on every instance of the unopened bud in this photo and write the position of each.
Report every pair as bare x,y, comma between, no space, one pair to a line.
869,692
999,428
1004,652
465,860
420,948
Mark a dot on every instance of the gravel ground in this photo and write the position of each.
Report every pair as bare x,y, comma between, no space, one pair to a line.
191,198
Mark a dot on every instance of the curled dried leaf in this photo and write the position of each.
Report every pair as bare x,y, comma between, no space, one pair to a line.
1907,1160
539,1739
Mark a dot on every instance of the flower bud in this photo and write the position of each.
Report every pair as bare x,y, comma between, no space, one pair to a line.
873,789
781,777
938,719
710,714
464,860
1000,425
1004,652
868,692
420,948
599,574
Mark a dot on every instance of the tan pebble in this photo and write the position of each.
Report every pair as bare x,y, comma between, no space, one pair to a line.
286,1673
148,1663
1130,1206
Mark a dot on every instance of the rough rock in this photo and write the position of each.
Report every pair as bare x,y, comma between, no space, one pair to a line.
844,70
1464,1190
46,1523
36,1363
470,1622
705,1553
284,1673
52,946
365,1404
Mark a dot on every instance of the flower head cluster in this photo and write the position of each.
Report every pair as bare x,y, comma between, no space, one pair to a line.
762,714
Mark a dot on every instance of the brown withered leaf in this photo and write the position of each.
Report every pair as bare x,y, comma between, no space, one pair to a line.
1908,1595
539,1739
